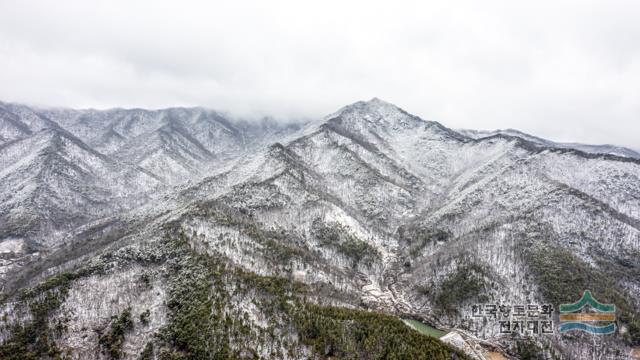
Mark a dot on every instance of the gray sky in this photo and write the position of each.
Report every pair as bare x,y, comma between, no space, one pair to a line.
565,70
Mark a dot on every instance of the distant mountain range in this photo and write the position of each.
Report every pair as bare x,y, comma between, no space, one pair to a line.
183,234
591,149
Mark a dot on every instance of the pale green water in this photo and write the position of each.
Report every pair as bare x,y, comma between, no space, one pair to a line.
424,328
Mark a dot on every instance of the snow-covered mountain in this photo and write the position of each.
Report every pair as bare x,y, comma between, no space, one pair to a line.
180,233
591,149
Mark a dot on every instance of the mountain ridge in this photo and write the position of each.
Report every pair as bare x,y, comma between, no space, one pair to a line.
371,208
586,148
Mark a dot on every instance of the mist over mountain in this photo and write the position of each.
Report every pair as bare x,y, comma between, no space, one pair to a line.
184,234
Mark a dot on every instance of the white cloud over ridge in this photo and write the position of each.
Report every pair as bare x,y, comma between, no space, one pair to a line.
566,70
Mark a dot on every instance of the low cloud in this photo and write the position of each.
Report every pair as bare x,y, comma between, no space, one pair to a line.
565,70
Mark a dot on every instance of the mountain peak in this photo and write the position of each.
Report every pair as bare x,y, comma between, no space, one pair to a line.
373,108
378,101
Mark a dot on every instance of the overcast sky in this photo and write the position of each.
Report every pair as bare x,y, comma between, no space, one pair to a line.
566,70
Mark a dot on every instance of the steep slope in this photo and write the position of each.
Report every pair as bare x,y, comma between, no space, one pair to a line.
279,250
30,118
169,152
431,203
56,179
52,182
175,144
11,128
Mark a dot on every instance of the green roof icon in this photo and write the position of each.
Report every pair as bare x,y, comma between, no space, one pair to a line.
587,298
